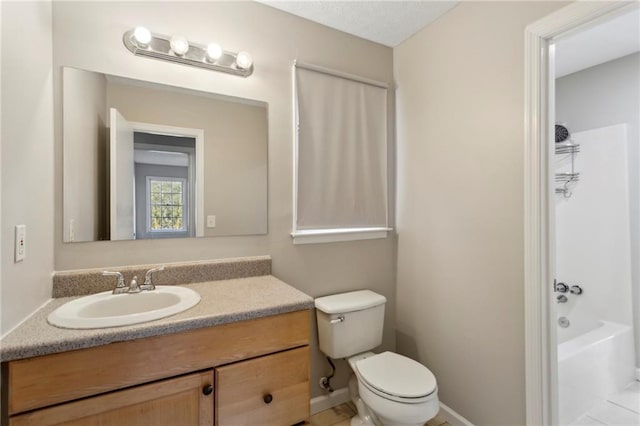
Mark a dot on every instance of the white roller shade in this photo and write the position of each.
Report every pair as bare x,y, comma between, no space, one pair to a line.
341,163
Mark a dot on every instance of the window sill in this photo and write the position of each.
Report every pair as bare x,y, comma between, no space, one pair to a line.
317,236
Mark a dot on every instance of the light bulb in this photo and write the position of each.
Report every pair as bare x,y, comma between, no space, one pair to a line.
179,45
142,36
214,51
244,60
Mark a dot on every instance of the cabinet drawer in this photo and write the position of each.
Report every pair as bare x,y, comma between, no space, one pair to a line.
243,390
179,401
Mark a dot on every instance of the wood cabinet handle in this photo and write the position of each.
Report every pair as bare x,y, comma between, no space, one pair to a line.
267,398
207,390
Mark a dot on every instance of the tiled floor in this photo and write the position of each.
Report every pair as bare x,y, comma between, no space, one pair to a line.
336,416
621,409
341,416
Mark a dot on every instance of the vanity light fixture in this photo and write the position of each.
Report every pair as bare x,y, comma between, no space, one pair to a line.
142,36
214,52
179,45
140,41
244,60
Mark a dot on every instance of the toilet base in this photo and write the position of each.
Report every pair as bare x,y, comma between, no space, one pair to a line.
357,421
367,417
364,416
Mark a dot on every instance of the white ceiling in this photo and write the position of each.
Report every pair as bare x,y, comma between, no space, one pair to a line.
602,43
384,22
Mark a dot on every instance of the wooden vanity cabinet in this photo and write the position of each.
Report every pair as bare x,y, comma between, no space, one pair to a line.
244,373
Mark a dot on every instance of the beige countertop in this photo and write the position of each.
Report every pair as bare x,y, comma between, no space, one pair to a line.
221,302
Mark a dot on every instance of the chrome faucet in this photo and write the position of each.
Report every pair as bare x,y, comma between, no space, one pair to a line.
561,298
133,286
120,287
148,284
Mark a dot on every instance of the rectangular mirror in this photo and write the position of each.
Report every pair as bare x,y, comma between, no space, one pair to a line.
143,160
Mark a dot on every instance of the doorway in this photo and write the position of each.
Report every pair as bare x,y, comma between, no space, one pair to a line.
156,180
596,76
561,181
164,170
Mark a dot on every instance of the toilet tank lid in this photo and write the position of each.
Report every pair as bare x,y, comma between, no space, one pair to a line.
349,302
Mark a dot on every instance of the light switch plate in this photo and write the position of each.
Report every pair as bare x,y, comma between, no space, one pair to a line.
21,243
211,221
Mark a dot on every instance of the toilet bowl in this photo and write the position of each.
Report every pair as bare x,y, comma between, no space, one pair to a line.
391,389
388,389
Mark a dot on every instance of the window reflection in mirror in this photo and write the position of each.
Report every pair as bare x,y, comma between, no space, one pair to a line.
123,139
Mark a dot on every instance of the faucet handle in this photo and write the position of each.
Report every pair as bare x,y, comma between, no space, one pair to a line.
120,287
147,276
116,274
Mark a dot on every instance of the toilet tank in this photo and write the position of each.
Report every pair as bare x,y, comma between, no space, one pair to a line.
350,323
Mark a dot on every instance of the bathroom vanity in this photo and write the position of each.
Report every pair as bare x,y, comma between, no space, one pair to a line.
241,356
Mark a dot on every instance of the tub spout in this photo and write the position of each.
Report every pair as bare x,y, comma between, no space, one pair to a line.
561,298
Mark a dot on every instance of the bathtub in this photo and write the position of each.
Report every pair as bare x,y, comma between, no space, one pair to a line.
595,360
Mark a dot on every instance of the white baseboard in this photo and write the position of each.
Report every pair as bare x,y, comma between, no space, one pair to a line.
333,399
453,418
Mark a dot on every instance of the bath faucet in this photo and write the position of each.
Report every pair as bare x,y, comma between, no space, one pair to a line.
561,298
148,284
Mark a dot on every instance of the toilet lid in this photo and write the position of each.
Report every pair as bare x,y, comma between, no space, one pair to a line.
397,375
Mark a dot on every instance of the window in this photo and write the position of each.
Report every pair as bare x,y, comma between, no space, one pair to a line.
166,202
340,157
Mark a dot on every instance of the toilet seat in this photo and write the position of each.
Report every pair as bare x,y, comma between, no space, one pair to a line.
396,377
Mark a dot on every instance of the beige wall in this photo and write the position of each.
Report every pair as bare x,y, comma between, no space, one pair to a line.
88,35
27,157
460,290
235,150
84,126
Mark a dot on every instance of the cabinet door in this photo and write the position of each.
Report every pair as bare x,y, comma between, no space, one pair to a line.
186,400
270,390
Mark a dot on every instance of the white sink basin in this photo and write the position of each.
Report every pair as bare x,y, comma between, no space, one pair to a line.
103,310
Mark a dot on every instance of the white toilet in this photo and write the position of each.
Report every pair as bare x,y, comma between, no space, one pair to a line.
387,388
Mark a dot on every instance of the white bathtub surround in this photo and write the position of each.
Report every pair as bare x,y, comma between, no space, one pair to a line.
592,229
596,353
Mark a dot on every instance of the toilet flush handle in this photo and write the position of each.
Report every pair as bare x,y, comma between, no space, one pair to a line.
337,320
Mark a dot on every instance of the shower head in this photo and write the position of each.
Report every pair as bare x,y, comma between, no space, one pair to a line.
562,133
